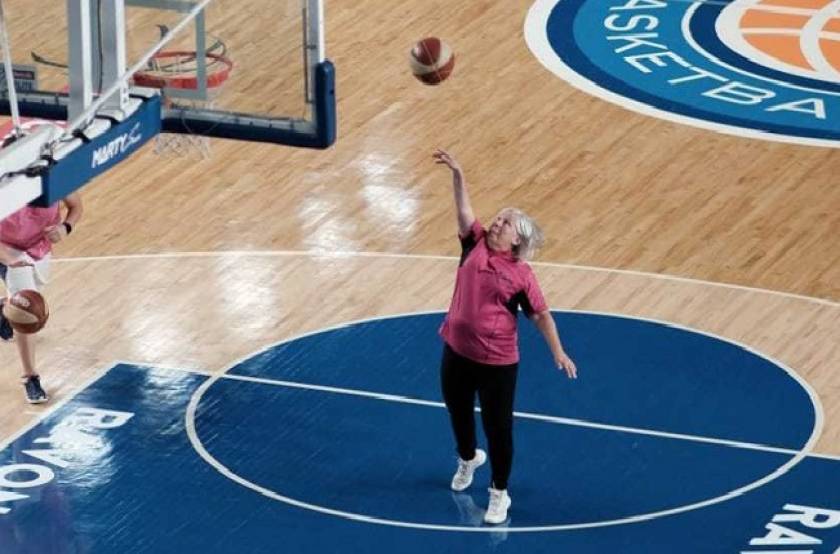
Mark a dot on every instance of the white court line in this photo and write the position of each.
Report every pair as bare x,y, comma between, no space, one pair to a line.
197,371
779,472
524,415
42,415
363,254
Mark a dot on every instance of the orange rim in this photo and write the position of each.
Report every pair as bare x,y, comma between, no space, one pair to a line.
185,81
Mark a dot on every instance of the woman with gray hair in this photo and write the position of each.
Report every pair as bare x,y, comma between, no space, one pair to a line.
480,352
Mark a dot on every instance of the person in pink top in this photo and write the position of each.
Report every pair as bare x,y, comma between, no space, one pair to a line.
481,353
26,240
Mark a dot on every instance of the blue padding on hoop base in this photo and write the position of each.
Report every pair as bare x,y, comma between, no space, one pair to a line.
320,133
100,154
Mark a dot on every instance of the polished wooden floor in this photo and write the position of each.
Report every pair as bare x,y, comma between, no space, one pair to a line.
196,264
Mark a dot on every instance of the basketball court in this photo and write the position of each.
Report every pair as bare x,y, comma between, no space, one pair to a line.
242,351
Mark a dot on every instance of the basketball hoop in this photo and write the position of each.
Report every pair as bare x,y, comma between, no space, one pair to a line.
177,70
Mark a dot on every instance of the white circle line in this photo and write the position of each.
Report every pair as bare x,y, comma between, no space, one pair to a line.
192,435
363,254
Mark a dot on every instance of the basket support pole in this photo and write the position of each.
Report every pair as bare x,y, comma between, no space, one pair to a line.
113,50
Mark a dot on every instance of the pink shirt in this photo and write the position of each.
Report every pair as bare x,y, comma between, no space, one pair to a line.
24,229
489,288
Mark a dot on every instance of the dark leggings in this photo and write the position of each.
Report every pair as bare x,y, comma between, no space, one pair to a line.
461,378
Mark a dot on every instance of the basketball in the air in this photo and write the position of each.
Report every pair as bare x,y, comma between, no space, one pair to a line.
431,60
26,311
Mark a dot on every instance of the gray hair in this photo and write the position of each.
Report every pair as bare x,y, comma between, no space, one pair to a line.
531,237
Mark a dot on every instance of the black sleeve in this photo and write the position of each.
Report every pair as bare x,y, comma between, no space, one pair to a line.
467,245
470,240
520,299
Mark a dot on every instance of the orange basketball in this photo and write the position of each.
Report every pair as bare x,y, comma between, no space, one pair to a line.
26,311
431,60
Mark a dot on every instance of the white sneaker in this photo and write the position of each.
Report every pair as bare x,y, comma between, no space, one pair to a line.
498,507
464,475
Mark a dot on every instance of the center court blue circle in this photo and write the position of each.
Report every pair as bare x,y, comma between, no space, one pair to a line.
350,421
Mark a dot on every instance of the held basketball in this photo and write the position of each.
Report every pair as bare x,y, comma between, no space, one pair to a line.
431,61
26,311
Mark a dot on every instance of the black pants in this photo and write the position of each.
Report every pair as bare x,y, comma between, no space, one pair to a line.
461,378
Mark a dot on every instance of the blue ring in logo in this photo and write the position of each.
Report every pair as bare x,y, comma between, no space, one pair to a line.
668,60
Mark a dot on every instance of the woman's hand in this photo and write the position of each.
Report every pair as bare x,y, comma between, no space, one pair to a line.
563,361
55,233
443,157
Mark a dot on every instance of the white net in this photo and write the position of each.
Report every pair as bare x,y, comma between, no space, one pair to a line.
177,75
182,146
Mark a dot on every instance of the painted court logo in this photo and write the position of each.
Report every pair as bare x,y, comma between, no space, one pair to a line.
760,68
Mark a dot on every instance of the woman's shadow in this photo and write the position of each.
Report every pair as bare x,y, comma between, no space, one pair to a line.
469,513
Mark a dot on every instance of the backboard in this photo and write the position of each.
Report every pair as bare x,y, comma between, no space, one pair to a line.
243,69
